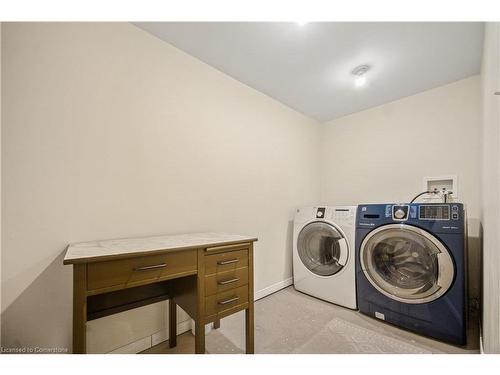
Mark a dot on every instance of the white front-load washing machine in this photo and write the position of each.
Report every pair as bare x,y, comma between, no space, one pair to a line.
323,253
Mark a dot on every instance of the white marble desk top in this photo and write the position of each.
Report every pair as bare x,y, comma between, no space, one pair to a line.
84,252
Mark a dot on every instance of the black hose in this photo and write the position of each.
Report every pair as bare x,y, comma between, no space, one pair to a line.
422,193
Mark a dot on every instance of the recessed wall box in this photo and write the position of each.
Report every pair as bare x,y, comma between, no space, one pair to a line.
449,183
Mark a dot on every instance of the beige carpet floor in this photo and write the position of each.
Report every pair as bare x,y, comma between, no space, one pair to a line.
291,322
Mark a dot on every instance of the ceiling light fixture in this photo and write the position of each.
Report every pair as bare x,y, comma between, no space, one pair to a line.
359,72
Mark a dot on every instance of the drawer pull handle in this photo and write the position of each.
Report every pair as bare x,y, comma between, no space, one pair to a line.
230,281
145,268
223,262
225,302
229,247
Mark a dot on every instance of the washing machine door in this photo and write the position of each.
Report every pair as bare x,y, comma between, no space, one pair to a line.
406,263
322,248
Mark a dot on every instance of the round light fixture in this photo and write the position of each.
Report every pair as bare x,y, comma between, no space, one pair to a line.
360,75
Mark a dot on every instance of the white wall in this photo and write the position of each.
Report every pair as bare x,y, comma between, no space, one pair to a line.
490,74
382,154
109,132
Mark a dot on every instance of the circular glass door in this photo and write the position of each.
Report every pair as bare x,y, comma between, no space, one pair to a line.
406,263
322,248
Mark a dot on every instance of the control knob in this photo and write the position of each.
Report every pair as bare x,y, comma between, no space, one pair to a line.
399,214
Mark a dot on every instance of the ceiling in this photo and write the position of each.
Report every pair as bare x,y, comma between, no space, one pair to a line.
309,66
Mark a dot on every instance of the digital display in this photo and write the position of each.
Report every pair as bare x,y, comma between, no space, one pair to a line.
434,212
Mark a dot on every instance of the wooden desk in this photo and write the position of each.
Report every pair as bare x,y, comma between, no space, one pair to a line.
209,275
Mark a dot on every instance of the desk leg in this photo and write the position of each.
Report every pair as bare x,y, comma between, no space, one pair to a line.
249,321
199,339
172,323
79,308
249,329
217,324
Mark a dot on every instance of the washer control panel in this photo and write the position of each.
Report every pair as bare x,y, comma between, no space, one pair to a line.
435,217
344,213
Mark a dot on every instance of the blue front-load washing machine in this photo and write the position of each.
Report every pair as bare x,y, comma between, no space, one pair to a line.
411,267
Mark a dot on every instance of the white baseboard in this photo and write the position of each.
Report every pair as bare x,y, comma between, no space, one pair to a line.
149,341
162,335
273,288
134,347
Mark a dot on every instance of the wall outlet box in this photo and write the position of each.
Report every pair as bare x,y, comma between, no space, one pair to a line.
449,183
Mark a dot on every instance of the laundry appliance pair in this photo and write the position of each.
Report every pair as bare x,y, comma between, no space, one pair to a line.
401,263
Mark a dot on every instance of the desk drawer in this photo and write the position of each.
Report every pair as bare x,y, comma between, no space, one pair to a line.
218,303
226,261
222,281
140,270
